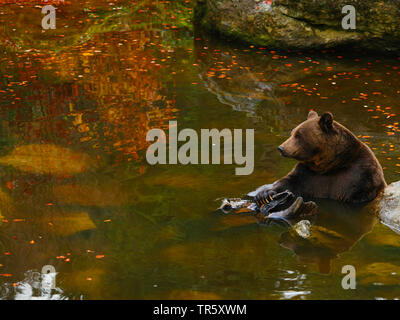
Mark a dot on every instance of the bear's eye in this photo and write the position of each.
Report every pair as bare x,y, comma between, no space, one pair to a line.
297,135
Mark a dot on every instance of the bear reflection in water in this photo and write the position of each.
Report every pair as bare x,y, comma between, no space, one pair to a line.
317,233
335,229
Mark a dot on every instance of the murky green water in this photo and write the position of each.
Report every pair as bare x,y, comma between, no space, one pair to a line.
115,227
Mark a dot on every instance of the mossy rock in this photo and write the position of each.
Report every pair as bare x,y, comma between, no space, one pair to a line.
303,23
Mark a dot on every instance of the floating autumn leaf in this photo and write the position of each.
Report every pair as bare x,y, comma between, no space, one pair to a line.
47,159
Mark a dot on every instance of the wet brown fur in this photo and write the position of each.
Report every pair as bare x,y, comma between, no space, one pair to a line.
333,163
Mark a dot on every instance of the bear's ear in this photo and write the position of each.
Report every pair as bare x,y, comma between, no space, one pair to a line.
312,114
326,123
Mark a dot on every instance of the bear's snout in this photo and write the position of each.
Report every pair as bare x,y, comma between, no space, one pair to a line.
282,151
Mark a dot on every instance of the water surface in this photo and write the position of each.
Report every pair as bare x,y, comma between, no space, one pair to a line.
114,227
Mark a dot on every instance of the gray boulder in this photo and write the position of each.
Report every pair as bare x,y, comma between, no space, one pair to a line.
304,23
389,207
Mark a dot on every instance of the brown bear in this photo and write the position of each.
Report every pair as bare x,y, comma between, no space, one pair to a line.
333,164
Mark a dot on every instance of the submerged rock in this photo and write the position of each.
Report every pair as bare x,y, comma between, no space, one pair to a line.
304,23
302,228
389,207
330,229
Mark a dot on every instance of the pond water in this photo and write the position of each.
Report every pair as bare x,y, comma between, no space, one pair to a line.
77,193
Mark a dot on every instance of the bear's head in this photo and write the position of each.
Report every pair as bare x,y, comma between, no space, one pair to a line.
320,143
